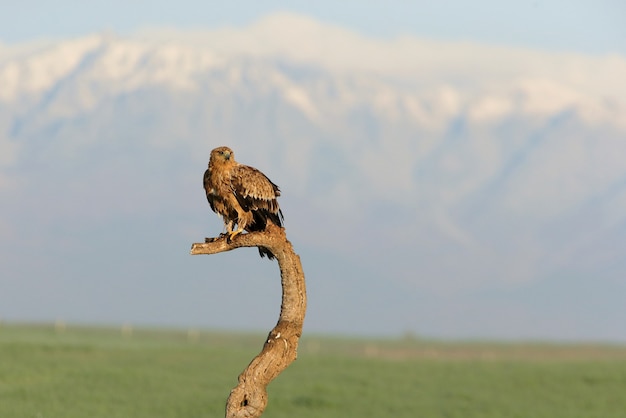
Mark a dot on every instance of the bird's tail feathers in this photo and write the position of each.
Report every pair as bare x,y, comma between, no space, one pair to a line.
263,252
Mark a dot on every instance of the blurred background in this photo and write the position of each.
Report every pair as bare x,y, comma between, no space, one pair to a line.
452,170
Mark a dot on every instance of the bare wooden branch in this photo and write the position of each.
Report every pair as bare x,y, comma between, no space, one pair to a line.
249,398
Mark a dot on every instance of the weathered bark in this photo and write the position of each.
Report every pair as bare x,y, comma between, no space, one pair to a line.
249,398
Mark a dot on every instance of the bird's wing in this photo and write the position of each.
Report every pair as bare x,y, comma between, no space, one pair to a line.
209,188
254,190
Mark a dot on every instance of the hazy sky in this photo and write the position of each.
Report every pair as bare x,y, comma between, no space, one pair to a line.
593,26
161,284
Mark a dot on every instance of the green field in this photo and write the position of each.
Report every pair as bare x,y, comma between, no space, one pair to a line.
48,371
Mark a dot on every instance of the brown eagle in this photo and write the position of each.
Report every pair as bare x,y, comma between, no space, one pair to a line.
241,195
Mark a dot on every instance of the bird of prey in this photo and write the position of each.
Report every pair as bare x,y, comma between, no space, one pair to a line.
241,195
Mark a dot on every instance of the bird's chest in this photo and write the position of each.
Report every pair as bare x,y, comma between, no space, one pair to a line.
219,184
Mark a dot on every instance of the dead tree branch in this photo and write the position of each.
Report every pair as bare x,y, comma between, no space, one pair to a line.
249,398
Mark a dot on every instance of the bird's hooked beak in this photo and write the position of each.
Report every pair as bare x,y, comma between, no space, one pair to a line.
226,155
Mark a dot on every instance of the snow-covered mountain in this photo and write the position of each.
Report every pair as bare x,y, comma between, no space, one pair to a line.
441,166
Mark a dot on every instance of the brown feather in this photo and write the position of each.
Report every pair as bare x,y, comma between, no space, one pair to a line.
241,194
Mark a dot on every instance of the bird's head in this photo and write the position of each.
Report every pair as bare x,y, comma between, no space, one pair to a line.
222,155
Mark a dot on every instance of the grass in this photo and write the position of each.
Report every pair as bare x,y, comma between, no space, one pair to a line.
90,372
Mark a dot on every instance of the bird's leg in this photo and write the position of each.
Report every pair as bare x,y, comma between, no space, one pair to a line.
229,227
229,231
243,219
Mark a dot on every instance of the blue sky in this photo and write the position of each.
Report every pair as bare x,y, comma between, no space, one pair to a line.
590,26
